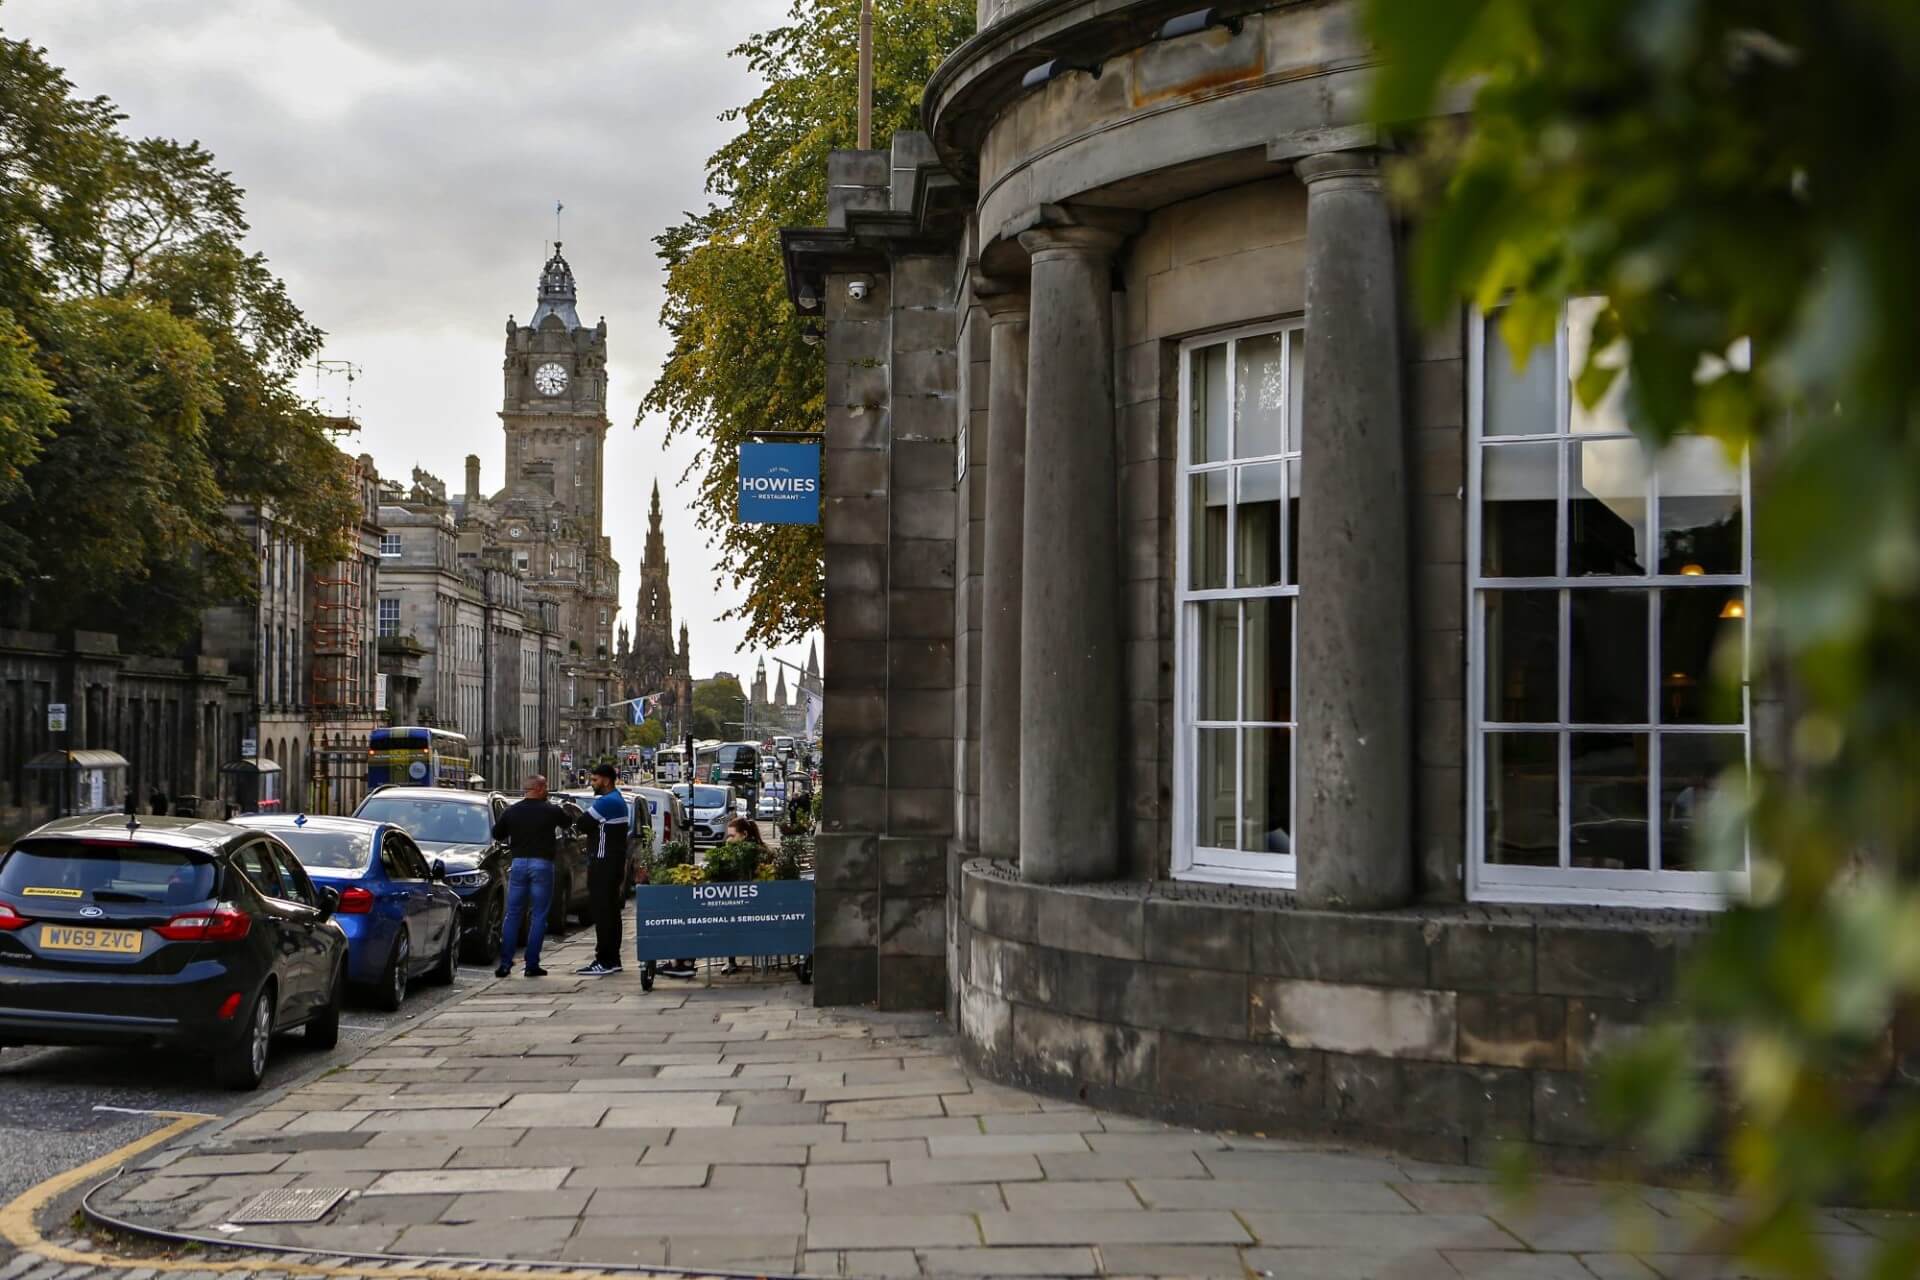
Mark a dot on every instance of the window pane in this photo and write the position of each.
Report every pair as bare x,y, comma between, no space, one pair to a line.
1257,526
1608,680
1609,801
1207,540
1219,660
1523,656
1267,825
1700,516
1213,792
1296,386
1691,765
1703,638
1523,799
1259,380
1519,402
1293,521
1208,390
1607,508
1519,499
1270,659
1610,414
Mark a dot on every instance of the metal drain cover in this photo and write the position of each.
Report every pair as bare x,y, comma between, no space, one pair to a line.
295,1204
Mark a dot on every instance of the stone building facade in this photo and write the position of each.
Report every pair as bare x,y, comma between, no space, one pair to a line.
1242,704
546,522
466,641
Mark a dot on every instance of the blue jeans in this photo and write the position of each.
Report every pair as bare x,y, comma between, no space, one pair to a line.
526,878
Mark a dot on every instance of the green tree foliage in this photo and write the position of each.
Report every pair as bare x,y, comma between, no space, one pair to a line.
648,733
1728,170
738,364
719,708
171,353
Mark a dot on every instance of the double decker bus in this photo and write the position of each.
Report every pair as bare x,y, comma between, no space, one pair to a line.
414,756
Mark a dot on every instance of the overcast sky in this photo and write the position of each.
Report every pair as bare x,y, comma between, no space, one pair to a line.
402,159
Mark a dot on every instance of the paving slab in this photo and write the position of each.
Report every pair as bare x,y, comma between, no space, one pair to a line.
1114,1226
871,1231
1175,1260
1010,1262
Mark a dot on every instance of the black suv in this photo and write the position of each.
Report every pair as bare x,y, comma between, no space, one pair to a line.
457,828
194,935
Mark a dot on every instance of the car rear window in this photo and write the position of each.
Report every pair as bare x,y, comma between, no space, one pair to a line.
437,821
344,851
705,797
50,870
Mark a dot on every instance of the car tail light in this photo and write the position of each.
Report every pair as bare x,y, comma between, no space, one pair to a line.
355,902
222,924
11,919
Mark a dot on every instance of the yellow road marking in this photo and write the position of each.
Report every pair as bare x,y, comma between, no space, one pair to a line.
17,1227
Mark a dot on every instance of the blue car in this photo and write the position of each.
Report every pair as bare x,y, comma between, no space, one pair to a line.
400,918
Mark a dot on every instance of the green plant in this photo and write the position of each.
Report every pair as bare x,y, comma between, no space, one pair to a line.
729,862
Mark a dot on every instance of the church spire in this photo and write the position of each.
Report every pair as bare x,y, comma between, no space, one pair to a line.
557,294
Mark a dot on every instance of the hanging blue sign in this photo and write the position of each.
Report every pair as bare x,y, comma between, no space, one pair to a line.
779,484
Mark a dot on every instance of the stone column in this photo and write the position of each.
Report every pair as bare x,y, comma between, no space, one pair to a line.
1355,782
1000,621
1070,589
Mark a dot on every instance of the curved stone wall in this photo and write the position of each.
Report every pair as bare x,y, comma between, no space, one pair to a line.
1443,1032
1193,114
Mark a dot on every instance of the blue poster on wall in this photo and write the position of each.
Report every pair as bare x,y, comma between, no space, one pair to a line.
779,484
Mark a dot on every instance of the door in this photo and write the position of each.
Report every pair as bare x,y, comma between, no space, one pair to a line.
408,886
280,917
427,906
317,938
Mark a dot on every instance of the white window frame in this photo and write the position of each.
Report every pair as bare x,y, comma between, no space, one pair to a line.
1567,884
380,620
1190,860
390,546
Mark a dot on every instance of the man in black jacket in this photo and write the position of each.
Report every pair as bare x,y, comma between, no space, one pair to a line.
531,829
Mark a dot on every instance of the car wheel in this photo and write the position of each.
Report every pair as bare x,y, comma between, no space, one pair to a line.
484,946
393,983
241,1064
442,973
323,1031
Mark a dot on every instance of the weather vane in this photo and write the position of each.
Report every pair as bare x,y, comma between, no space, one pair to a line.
557,207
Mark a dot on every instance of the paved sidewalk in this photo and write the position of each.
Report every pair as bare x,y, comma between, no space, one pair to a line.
737,1128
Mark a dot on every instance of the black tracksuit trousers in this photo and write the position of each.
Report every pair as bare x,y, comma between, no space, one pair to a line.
606,888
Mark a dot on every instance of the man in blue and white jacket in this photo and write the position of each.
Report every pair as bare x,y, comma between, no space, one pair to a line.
608,822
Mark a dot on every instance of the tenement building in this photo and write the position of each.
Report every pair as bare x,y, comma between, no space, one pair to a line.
1242,704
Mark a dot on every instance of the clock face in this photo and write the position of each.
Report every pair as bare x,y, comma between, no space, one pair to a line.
516,532
550,379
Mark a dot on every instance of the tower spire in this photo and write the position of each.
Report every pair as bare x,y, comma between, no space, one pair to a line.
557,292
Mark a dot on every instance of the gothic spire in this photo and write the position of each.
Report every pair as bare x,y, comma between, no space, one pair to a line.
813,659
557,294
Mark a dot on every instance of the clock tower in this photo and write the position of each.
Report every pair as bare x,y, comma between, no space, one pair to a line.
547,520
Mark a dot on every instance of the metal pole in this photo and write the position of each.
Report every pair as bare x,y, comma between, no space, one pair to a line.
866,75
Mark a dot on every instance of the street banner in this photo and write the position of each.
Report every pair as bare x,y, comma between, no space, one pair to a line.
744,918
814,703
779,484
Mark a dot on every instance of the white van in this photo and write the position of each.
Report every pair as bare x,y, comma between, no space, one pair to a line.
669,814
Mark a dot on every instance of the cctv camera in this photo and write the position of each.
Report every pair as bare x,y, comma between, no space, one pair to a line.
857,290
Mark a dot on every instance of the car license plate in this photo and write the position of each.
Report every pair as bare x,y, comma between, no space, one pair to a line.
66,937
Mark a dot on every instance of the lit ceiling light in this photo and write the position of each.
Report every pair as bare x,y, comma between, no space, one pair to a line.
1192,23
1735,607
1691,571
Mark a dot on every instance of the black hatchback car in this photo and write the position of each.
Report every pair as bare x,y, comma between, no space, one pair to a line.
193,935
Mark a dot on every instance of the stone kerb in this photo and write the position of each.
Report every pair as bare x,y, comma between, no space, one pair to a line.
1443,1031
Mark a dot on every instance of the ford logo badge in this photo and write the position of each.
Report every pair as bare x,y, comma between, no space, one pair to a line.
92,913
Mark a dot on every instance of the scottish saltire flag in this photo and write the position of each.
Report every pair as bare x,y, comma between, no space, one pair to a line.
643,707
